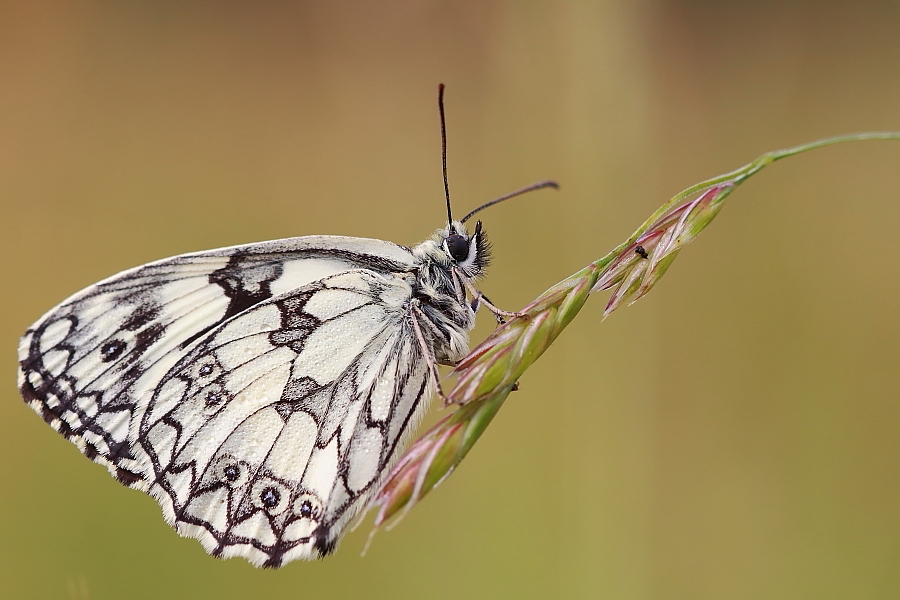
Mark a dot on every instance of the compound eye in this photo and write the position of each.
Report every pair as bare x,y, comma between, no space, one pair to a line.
458,247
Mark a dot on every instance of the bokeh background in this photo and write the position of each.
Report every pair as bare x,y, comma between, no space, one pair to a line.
736,434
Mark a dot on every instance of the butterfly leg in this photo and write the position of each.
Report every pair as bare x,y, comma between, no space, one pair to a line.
415,315
500,315
478,298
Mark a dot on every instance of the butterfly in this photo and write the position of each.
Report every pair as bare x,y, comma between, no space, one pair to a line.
259,392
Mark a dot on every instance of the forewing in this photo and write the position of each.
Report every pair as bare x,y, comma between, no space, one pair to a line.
90,365
269,435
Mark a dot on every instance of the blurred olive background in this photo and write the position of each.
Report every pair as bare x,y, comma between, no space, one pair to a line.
734,435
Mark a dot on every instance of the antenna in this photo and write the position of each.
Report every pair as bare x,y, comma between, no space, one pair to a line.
528,188
444,154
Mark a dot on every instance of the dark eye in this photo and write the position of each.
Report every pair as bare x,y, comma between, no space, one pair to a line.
458,247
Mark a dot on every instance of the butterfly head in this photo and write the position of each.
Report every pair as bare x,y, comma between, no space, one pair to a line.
453,247
471,253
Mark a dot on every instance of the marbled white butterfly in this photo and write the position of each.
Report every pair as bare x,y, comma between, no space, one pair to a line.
259,392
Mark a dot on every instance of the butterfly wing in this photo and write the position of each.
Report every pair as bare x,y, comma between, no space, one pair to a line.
266,439
93,366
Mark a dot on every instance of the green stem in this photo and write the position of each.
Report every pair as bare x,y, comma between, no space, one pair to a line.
739,175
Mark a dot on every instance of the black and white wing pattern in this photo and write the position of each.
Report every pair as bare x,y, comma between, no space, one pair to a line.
257,392
268,436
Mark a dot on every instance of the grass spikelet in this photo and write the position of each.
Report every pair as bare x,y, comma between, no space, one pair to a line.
491,371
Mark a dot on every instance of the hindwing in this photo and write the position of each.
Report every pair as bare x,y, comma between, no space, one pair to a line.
266,439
